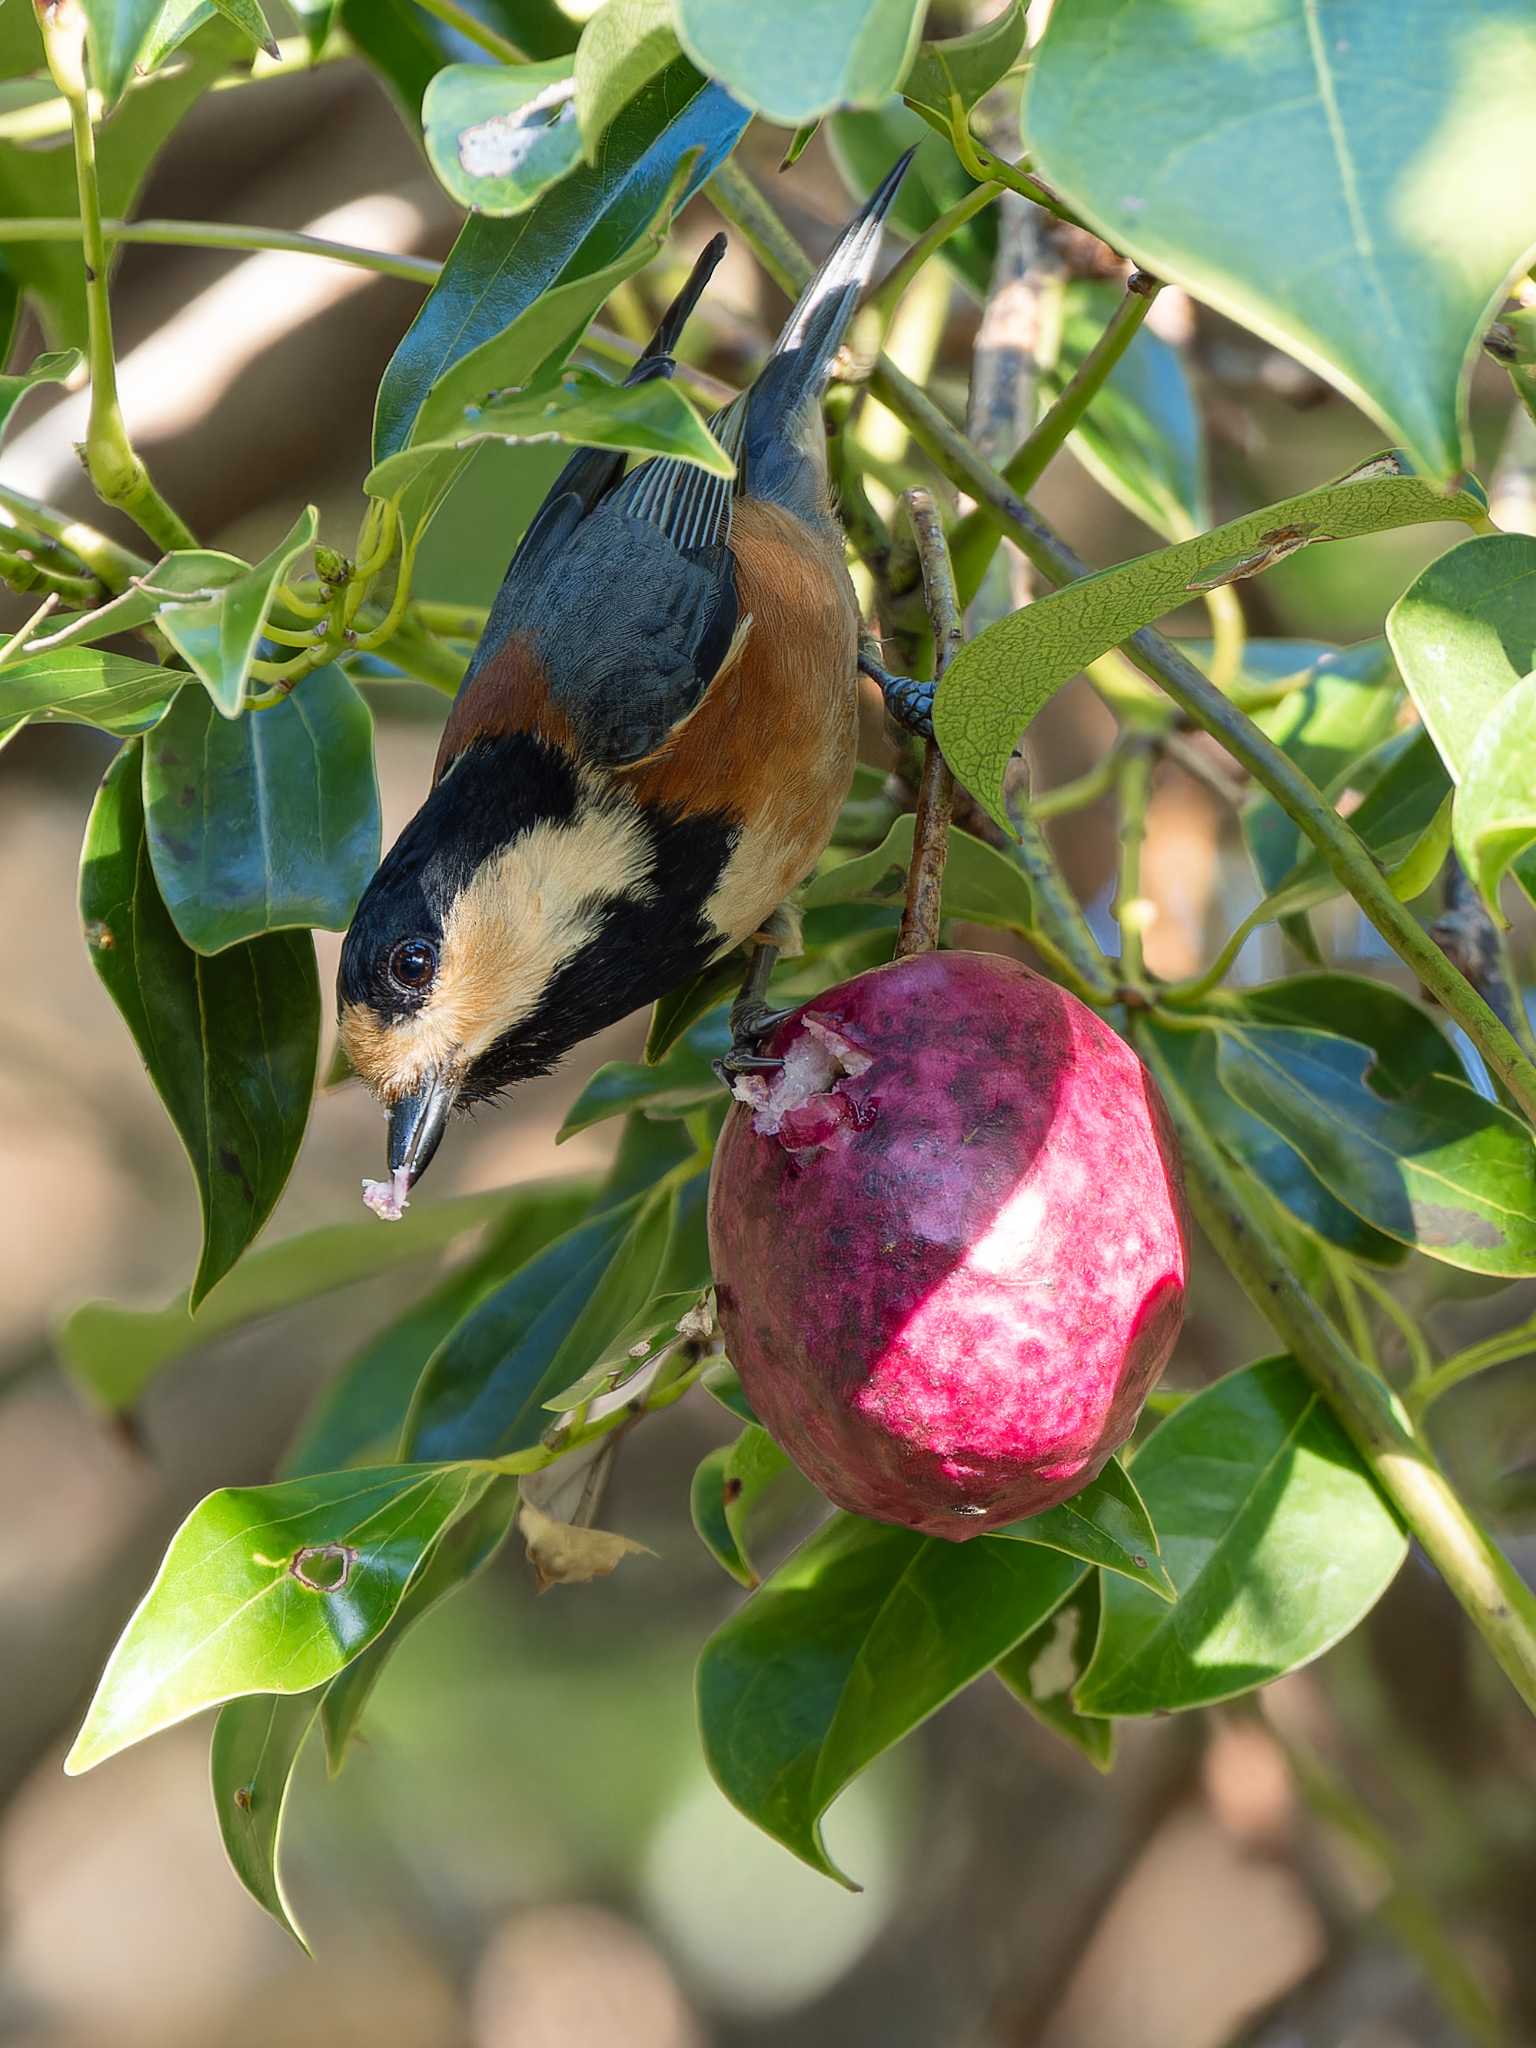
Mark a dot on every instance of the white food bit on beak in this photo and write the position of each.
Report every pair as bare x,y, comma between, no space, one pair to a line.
386,1198
818,1058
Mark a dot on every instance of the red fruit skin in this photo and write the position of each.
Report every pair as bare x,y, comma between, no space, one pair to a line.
950,1281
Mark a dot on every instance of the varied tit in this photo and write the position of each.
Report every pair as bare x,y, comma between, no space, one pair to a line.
647,753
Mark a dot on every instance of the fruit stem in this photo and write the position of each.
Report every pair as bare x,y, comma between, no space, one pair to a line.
923,910
1497,1601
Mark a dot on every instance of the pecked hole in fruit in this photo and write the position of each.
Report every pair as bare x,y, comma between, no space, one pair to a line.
803,1104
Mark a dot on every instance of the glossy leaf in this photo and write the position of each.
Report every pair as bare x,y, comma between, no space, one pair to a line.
855,1640
958,71
803,57
255,1750
1464,633
728,1487
79,686
1141,437
649,1333
497,269
683,1082
465,1549
1406,1044
1106,1524
1274,1532
996,684
1494,817
1367,160
57,367
249,19
115,1352
622,47
188,571
263,823
981,885
116,31
498,135
1045,1667
358,1418
1441,1169
269,1589
1345,707
1404,818
229,1043
218,637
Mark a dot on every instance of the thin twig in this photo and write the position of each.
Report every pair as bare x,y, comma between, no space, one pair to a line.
921,915
214,234
23,633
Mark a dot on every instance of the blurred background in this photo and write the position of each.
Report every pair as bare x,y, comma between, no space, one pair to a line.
524,1851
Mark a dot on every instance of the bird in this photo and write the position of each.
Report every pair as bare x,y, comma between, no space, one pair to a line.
646,755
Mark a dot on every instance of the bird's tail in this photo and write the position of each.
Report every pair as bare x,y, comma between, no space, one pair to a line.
814,331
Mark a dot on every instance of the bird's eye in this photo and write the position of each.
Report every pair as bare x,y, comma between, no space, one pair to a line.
412,965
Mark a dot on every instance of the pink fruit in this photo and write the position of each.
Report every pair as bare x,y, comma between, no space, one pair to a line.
948,1242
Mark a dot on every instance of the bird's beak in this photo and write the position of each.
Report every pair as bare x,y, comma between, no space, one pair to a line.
416,1125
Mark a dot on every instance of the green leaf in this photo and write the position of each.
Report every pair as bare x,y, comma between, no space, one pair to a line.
497,269
723,1382
55,368
1404,818
1464,633
672,1015
996,684
1045,1667
650,1332
622,47
1361,200
655,418
682,1083
1141,437
483,1392
269,1589
219,637
1441,1169
1345,707
803,57
255,1749
317,17
358,1418
1274,1533
1494,817
727,1487
1106,1524
981,885
263,823
1407,1046
78,686
855,1640
229,1043
466,1548
189,571
961,69
115,1352
116,31
249,19
499,135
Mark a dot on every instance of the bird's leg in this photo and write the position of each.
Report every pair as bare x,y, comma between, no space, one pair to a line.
909,702
751,1017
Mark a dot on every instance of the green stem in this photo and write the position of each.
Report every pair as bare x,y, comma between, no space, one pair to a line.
883,302
976,536
1420,1356
488,39
423,658
1082,790
24,574
115,565
116,471
47,118
1503,1349
452,621
1229,634
1500,1605
214,234
1135,780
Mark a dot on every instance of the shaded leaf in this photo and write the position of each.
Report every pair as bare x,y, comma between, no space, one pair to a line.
1464,633
803,57
249,19
664,1320
981,885
263,823
622,47
114,1352
956,72
218,637
724,1382
1493,820
1365,162
1045,1667
1106,1524
997,683
497,269
855,1640
1273,1531
255,1750
269,1589
865,144
1441,1169
116,32
57,367
728,1487
681,1083
229,1043
498,135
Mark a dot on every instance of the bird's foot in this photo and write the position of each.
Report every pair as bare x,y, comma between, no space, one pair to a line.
909,701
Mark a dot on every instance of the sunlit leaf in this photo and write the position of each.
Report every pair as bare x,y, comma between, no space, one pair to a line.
1274,1533
269,1589
960,70
116,32
729,1487
56,367
1360,201
499,135
802,58
218,636
79,686
622,47
1493,820
229,1043
255,1749
1105,1524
